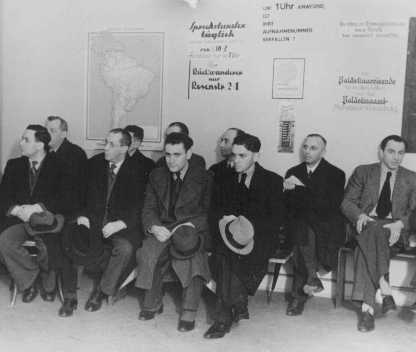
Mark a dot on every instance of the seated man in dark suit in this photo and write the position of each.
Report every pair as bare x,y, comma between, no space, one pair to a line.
247,211
378,201
136,134
176,195
180,127
32,183
313,190
222,168
115,192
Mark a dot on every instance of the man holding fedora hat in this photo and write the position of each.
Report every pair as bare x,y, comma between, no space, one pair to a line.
107,232
34,188
175,219
247,210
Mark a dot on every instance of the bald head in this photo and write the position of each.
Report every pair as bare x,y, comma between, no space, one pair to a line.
313,149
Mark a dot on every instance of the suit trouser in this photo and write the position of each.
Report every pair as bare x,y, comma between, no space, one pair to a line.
112,269
305,264
231,292
191,294
24,268
372,260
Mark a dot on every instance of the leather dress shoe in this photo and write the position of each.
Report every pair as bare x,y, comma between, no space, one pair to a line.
388,304
295,307
149,314
68,307
30,294
217,330
366,322
95,301
240,313
48,296
185,325
313,286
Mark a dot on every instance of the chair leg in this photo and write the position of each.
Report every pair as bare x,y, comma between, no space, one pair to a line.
273,286
339,295
13,295
60,286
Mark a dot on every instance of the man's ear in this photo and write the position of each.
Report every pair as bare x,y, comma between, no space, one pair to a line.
256,157
188,154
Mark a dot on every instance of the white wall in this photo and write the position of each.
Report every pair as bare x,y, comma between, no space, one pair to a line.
44,58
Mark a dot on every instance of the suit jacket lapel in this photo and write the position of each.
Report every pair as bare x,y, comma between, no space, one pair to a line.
162,189
187,188
398,188
375,185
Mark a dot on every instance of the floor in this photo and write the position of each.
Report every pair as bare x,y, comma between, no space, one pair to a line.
36,327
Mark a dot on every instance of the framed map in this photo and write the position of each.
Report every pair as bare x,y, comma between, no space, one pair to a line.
125,85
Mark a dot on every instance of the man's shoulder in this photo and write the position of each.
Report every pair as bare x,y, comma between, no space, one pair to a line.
366,168
332,168
296,169
97,159
268,174
17,162
72,149
407,173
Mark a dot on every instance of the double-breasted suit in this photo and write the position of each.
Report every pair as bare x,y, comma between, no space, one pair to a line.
154,258
191,206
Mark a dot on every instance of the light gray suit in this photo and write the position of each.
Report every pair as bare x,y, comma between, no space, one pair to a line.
372,254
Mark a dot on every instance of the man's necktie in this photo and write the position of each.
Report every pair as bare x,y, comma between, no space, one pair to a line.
33,174
111,178
243,180
310,173
111,173
384,202
174,193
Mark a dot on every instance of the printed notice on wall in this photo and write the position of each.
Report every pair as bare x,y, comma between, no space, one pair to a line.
366,91
288,78
276,23
215,53
354,29
286,128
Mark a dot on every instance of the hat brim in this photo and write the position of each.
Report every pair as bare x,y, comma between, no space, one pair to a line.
81,256
180,256
58,227
242,251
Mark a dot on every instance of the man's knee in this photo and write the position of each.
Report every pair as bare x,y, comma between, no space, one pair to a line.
123,248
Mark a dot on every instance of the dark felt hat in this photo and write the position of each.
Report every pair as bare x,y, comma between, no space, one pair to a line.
43,223
81,244
185,242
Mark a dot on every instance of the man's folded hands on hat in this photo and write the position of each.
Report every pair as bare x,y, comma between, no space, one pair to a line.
113,227
161,233
23,212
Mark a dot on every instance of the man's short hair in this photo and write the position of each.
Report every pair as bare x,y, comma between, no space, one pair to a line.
317,135
393,137
179,138
41,135
250,142
125,139
63,125
238,132
184,129
137,131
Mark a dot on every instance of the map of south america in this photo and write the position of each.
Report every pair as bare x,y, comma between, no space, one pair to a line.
128,81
